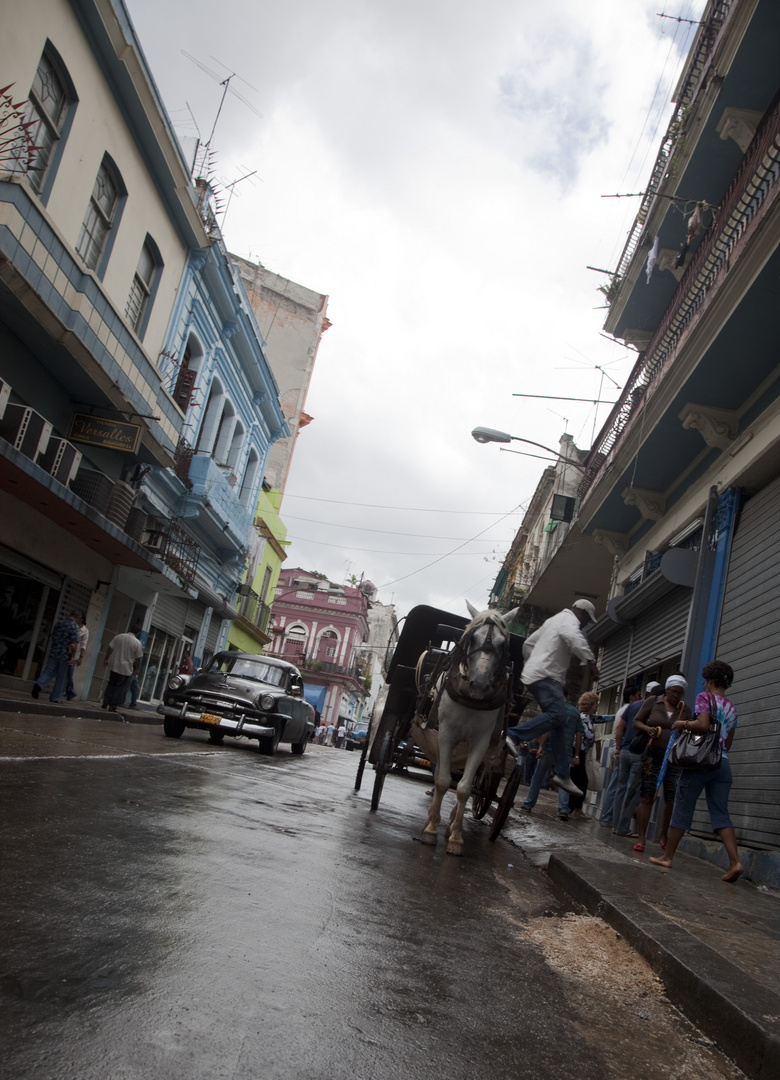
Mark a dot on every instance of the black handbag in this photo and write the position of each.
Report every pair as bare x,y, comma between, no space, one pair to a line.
638,744
698,750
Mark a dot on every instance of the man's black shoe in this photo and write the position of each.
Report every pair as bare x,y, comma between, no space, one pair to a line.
35,689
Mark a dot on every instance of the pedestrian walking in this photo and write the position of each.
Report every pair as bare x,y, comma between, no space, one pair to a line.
587,706
716,782
656,719
64,645
340,735
331,733
629,763
186,666
547,654
70,691
123,659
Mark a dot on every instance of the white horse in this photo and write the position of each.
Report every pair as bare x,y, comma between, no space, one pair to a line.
470,703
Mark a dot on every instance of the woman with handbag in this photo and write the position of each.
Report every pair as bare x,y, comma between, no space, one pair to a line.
654,721
712,706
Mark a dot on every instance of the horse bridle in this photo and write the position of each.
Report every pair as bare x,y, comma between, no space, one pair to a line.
458,671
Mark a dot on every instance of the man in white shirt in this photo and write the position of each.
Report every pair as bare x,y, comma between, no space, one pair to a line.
342,731
547,654
123,658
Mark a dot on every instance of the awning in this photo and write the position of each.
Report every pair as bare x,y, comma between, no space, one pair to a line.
315,695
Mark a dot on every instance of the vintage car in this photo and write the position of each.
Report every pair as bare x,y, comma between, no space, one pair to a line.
243,695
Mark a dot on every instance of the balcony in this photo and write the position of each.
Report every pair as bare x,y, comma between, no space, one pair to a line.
736,222
214,487
255,611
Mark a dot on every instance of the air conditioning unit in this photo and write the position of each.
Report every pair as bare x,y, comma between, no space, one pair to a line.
61,460
245,589
5,393
25,429
155,542
93,487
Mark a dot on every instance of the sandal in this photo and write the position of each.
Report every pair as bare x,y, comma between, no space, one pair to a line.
639,847
662,845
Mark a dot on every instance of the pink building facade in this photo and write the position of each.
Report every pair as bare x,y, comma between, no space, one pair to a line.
322,628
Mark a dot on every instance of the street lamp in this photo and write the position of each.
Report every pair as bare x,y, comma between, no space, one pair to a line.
486,435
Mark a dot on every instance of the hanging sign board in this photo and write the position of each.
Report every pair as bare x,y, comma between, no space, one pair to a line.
111,434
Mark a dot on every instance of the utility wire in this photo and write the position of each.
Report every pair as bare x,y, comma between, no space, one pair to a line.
365,528
381,506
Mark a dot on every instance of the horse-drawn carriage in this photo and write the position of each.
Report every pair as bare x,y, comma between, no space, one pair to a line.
453,684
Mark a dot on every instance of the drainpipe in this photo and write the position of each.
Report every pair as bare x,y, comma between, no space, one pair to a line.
709,580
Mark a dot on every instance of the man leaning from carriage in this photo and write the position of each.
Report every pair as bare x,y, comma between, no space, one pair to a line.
547,654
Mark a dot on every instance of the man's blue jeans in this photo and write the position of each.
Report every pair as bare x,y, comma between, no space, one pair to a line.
541,772
625,804
552,718
608,806
57,670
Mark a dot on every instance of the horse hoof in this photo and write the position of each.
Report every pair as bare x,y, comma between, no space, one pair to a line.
454,849
429,838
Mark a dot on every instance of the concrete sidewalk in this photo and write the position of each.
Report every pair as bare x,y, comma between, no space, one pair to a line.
715,946
15,701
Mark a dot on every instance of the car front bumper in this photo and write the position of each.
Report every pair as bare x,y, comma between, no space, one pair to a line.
241,725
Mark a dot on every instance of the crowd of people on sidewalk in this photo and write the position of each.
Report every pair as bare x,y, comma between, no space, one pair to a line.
559,747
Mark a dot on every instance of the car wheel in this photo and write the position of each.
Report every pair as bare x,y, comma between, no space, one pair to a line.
300,747
216,736
173,727
267,744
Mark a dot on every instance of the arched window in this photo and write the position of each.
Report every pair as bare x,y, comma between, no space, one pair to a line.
101,218
188,373
224,436
145,280
295,640
211,417
250,477
327,647
236,444
49,111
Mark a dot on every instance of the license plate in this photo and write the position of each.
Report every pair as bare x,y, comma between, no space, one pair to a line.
424,763
209,718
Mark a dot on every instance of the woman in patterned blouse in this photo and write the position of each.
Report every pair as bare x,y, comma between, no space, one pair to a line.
716,783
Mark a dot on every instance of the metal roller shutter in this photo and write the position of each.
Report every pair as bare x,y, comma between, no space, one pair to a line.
213,633
170,614
749,640
74,597
614,656
659,632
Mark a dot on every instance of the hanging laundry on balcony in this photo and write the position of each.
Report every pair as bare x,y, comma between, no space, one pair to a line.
653,257
682,253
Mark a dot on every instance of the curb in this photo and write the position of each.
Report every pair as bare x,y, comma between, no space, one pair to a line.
84,710
741,1016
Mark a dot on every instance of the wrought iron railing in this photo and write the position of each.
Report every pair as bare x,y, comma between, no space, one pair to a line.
754,184
182,459
673,137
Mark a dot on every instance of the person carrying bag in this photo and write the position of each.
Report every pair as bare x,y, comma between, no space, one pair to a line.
716,717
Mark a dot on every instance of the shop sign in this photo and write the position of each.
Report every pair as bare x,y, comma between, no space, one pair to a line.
97,431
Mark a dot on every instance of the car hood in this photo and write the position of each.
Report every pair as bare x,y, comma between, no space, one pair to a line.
230,686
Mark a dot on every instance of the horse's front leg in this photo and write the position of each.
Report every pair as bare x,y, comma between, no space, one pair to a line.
477,752
441,780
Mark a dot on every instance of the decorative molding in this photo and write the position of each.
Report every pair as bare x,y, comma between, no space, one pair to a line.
198,261
718,427
259,397
650,504
640,339
739,125
229,329
616,543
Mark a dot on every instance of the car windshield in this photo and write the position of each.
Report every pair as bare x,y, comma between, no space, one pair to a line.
258,669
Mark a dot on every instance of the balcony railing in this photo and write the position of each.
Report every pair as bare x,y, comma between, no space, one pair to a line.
255,611
707,39
753,186
182,459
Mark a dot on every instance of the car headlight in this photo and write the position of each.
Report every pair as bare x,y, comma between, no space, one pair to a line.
267,702
175,682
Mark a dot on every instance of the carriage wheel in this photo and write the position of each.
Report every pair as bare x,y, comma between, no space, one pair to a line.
505,803
484,790
383,763
361,764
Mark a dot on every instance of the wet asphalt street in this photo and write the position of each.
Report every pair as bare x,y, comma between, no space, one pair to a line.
173,909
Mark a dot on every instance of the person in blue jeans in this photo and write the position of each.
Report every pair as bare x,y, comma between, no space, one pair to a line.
631,695
715,783
547,654
64,643
573,736
629,764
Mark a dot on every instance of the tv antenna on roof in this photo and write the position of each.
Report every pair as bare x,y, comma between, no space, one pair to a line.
225,84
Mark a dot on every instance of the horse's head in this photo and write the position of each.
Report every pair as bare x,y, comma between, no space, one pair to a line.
484,650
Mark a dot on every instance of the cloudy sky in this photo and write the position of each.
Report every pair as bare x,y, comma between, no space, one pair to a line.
436,168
